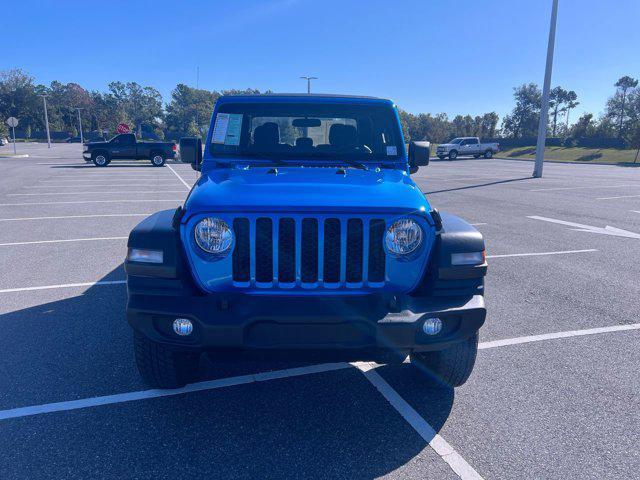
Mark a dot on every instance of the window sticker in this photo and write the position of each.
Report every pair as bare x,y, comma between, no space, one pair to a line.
392,151
220,128
234,128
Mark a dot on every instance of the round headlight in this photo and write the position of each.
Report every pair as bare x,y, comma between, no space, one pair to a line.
213,235
403,237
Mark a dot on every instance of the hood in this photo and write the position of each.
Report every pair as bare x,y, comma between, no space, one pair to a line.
447,145
304,189
98,142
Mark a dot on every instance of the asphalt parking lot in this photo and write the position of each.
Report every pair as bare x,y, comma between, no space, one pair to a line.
555,392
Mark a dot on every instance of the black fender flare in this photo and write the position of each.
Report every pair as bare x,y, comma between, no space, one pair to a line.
453,235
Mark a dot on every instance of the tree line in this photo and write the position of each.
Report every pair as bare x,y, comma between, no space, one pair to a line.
189,109
620,120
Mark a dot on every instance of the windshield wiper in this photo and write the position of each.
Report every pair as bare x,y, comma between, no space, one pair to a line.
356,164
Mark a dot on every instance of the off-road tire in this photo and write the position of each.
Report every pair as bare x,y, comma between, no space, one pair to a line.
488,154
453,154
452,365
157,159
100,159
161,367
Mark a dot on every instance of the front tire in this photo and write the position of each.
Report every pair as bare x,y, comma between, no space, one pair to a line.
488,154
158,160
453,154
452,365
161,367
100,159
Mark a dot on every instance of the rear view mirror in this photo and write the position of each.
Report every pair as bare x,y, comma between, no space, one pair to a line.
191,151
419,153
306,122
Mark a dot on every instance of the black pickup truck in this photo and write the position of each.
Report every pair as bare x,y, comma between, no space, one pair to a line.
126,146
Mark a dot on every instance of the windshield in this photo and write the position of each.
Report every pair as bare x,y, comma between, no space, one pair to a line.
456,140
306,131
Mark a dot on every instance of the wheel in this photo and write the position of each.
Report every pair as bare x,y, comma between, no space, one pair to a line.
488,154
161,367
158,160
453,154
100,159
441,157
452,365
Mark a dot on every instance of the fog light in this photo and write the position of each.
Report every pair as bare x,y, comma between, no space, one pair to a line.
432,326
182,326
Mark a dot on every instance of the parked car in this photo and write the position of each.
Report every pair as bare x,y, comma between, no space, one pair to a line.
4,141
466,146
126,146
305,233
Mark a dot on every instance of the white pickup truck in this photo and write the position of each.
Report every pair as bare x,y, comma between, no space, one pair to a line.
466,146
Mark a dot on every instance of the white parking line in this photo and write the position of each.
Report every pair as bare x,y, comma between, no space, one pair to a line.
95,201
179,177
76,216
171,183
477,224
584,187
439,445
541,253
65,285
620,196
90,193
101,178
553,336
155,393
63,241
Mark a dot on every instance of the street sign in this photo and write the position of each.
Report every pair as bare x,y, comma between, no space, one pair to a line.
123,128
13,123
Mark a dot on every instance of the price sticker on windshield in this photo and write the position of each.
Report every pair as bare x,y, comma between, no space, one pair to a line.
220,128
227,129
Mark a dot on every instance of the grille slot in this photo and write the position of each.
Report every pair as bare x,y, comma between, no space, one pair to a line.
376,251
354,250
331,250
287,250
309,251
264,250
241,261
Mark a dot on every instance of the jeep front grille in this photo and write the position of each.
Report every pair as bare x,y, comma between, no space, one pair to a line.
310,252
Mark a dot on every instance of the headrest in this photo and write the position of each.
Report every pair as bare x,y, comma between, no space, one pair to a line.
266,134
304,142
342,135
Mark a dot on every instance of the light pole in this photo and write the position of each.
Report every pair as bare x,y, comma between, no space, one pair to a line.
544,107
46,119
308,79
80,124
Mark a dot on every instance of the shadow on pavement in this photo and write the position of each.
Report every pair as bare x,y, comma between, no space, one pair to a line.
333,424
91,165
488,184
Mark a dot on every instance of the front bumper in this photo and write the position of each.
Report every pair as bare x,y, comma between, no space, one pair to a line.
365,322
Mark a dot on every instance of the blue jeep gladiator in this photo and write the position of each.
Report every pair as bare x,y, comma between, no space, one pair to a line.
304,236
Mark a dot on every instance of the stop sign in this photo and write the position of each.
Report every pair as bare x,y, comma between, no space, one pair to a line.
123,128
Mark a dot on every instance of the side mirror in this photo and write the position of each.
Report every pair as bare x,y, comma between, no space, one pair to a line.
419,153
191,151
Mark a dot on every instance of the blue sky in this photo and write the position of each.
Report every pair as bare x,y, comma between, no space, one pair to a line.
429,56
